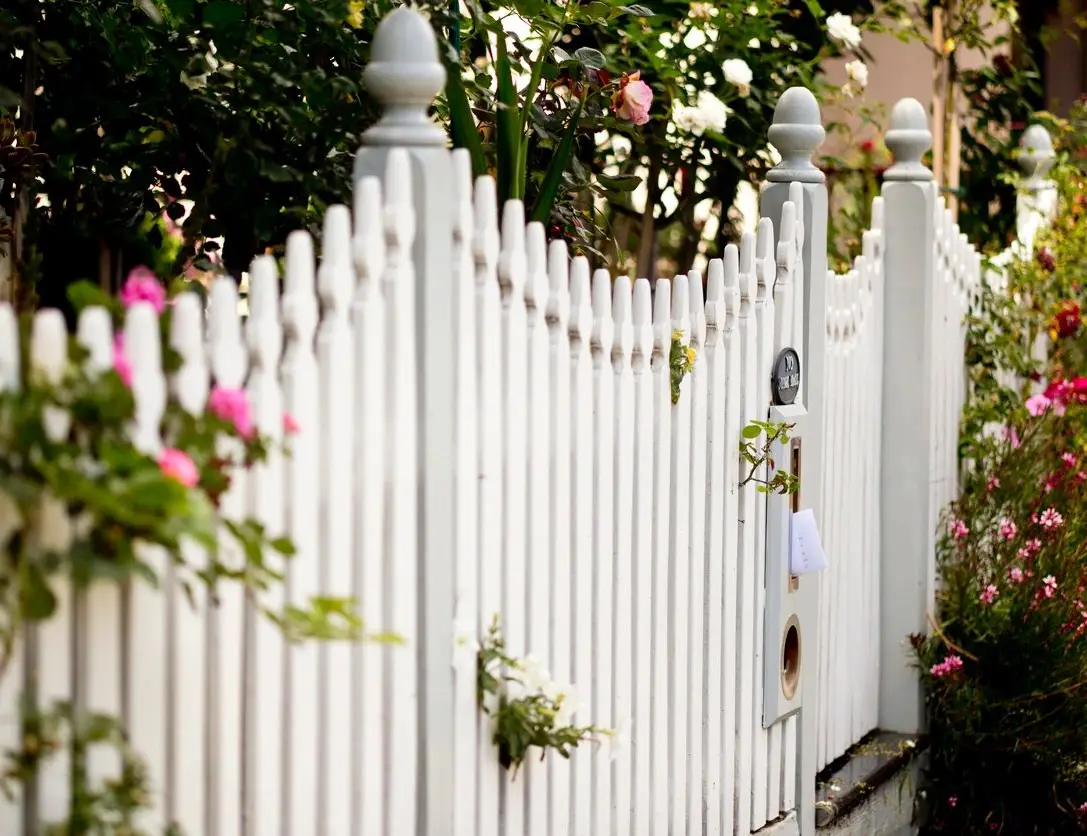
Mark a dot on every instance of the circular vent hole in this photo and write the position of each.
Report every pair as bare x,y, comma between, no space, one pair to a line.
790,659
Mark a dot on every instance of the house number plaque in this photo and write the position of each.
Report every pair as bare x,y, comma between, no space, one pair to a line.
785,382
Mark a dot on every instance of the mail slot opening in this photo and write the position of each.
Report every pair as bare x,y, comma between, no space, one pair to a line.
790,659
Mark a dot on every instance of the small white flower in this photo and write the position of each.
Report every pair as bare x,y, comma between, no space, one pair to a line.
857,71
737,72
753,43
713,111
841,28
694,38
753,10
702,11
568,707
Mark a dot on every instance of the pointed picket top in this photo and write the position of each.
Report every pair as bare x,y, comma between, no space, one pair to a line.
797,133
462,199
558,271
263,333
731,263
697,308
796,197
144,351
226,349
908,139
300,309
747,274
405,75
715,299
662,319
765,263
48,360
681,307
399,209
581,312
1036,154
486,242
536,282
623,333
190,383
9,349
335,279
94,332
642,317
368,241
512,262
603,328
786,250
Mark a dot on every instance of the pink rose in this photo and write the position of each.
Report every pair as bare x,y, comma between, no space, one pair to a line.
633,99
121,364
176,465
290,425
232,405
1037,404
142,286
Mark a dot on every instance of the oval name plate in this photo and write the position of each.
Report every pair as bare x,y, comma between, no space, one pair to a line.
785,381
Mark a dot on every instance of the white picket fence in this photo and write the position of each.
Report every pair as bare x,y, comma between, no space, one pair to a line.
487,428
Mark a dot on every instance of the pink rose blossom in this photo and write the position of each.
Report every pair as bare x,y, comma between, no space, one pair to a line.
1050,519
1007,529
1068,459
290,425
989,594
633,99
232,405
1038,404
176,465
142,286
957,529
1015,574
121,364
1050,586
947,666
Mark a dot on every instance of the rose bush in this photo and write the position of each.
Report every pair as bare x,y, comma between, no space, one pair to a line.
1005,668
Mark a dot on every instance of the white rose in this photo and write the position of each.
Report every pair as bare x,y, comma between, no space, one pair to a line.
694,38
737,72
753,43
841,28
712,111
857,71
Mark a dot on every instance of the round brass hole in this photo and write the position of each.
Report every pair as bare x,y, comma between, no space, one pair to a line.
790,659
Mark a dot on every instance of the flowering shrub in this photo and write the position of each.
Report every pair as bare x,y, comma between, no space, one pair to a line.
1006,665
80,501
527,707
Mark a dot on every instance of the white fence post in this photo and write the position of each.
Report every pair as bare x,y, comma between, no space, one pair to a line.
907,552
1037,201
406,75
797,132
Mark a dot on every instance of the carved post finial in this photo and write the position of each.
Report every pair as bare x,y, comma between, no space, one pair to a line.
908,138
1036,154
797,133
405,75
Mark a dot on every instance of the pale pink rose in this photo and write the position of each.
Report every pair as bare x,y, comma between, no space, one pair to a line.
176,465
232,405
121,364
142,286
290,425
1038,404
633,99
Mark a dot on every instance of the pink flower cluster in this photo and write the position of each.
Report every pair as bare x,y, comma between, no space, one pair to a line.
957,529
1030,549
1050,519
1015,574
947,667
232,406
177,465
1008,529
1050,586
142,286
988,595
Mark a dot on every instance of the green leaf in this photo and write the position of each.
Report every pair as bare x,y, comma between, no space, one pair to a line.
38,600
84,294
549,189
752,431
462,123
224,12
591,59
814,8
508,125
620,184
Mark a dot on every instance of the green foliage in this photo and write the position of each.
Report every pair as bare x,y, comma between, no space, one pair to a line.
681,357
758,440
528,709
1006,665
